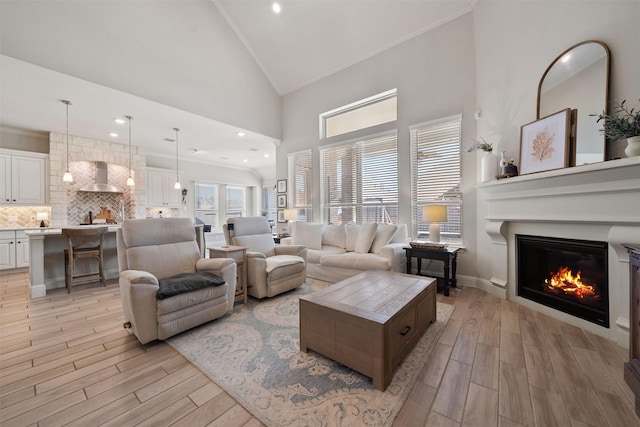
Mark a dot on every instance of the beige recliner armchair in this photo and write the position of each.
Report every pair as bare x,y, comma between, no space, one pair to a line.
271,269
150,250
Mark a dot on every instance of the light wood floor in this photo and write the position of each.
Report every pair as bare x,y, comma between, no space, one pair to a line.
65,360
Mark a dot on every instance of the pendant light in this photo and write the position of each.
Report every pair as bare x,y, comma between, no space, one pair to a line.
67,175
177,185
130,181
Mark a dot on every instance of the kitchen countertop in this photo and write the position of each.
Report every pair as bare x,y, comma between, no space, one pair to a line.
57,231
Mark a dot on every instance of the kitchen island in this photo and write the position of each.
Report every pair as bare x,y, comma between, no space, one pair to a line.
46,255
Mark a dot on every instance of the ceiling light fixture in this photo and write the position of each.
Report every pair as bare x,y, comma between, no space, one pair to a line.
130,181
241,134
276,8
245,161
177,185
67,177
119,121
113,135
266,155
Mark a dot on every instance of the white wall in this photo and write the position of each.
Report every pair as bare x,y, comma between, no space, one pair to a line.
128,51
434,74
516,41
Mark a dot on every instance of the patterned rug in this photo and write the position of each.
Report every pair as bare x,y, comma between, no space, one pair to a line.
254,355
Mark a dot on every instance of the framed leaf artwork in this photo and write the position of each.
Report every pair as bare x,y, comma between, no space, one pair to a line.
544,144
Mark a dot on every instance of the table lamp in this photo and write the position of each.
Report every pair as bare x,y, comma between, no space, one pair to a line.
289,216
42,216
434,214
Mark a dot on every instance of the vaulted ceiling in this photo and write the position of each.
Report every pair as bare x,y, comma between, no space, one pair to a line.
135,47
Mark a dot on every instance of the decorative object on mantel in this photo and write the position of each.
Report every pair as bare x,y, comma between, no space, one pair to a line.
509,170
624,123
489,162
544,143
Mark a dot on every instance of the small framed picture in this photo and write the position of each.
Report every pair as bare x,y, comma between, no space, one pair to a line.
281,216
282,186
544,144
282,200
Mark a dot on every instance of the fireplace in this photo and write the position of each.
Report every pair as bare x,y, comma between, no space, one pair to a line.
564,274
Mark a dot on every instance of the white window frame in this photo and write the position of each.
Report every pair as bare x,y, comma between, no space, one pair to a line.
300,185
453,198
215,211
360,204
363,103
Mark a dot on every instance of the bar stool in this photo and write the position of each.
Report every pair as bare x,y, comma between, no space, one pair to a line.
83,243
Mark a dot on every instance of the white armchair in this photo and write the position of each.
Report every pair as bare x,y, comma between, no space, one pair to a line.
150,250
271,269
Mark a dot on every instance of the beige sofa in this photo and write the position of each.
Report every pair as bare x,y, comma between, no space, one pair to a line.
336,252
153,249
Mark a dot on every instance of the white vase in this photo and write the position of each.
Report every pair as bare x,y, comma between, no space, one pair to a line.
633,146
489,166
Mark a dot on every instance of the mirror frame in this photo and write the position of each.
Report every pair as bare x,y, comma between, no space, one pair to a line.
606,91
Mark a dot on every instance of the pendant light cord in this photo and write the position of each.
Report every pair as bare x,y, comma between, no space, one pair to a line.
177,173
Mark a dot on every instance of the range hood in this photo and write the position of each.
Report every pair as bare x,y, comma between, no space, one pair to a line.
101,186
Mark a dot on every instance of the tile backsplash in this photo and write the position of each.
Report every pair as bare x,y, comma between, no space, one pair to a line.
23,216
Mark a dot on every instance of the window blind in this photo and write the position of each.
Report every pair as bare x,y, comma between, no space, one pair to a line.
360,181
300,187
435,162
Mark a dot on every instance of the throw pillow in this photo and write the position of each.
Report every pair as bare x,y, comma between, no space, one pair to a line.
365,238
401,235
187,282
351,236
308,235
383,237
334,235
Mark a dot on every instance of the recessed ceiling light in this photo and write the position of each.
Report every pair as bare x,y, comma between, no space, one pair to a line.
266,155
566,58
120,121
196,151
113,135
276,8
245,161
241,134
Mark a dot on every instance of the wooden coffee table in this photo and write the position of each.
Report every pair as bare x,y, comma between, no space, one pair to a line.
368,322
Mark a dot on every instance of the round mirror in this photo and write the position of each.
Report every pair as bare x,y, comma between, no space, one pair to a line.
579,79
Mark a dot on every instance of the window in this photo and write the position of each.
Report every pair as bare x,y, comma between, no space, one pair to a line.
300,184
206,204
360,181
435,178
269,202
375,110
235,201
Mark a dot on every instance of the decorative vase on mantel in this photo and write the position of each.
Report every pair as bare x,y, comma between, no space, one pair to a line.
633,146
489,166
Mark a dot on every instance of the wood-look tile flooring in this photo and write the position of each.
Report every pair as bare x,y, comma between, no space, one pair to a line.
65,360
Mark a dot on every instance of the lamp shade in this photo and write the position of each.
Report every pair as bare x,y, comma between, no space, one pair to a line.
434,213
290,214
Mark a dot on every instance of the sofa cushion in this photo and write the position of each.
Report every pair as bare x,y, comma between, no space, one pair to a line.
334,235
356,261
308,235
153,258
278,261
257,243
383,236
401,235
351,231
366,234
187,282
314,255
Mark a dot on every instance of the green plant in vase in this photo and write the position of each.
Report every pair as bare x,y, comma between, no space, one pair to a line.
623,123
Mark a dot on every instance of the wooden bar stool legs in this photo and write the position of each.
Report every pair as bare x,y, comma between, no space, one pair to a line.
83,243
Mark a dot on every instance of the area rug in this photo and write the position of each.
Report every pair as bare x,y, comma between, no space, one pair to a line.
254,355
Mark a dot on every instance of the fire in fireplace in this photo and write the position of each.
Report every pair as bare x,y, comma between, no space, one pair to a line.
565,274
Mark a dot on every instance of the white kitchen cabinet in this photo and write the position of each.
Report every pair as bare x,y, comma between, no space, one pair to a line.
160,189
14,249
24,177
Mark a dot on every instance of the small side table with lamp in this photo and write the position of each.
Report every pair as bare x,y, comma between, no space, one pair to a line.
433,249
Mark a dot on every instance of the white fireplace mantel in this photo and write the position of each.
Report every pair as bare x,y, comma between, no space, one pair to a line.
598,202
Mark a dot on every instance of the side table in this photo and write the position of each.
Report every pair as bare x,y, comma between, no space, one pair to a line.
238,254
448,256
